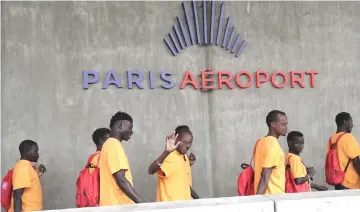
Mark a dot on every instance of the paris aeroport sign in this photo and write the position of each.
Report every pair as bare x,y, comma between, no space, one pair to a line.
208,79
186,33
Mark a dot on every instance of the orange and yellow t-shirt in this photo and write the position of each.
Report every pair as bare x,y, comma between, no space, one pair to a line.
348,148
269,154
297,167
25,176
174,178
112,160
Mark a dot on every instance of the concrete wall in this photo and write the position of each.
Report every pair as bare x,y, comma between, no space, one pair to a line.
311,202
46,45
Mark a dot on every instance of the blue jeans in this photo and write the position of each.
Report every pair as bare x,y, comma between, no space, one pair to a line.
340,187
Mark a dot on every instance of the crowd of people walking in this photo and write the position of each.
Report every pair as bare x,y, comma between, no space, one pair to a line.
107,179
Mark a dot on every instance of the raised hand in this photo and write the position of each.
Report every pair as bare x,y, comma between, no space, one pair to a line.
311,171
192,159
171,143
40,170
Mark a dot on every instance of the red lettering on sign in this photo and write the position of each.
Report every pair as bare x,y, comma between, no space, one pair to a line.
259,80
237,79
312,77
186,81
205,80
273,79
227,81
294,80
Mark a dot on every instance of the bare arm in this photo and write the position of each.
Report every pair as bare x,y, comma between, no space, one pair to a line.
193,193
310,173
126,186
155,165
314,186
264,180
301,180
356,162
318,187
17,199
171,145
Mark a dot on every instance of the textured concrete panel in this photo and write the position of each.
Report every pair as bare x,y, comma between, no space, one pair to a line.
253,204
45,48
285,36
318,202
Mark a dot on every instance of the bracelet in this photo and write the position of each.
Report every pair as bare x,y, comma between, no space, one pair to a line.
159,164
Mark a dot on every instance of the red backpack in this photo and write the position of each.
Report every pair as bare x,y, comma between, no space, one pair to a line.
245,180
6,190
333,173
290,186
88,185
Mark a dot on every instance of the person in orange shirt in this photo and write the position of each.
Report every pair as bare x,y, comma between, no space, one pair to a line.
116,183
191,156
27,192
173,168
348,152
99,137
299,172
269,158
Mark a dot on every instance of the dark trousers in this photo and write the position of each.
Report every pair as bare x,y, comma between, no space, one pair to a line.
340,187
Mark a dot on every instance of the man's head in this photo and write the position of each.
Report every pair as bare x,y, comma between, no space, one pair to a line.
99,136
29,150
295,140
344,121
277,122
185,137
121,125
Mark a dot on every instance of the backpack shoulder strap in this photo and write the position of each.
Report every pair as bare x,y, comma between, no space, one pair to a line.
97,163
348,163
337,152
337,140
288,162
336,144
92,157
254,151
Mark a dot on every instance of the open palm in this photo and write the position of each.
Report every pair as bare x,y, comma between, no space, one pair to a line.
171,143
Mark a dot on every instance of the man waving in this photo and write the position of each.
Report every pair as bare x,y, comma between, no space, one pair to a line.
173,168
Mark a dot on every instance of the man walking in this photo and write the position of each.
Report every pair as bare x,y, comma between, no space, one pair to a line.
348,151
269,158
116,183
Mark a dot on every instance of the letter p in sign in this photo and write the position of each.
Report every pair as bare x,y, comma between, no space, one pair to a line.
90,77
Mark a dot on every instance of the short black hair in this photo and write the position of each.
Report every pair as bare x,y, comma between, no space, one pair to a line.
120,116
293,134
273,116
25,146
341,118
182,128
99,134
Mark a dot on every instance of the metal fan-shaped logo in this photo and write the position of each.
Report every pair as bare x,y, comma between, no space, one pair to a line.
185,36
